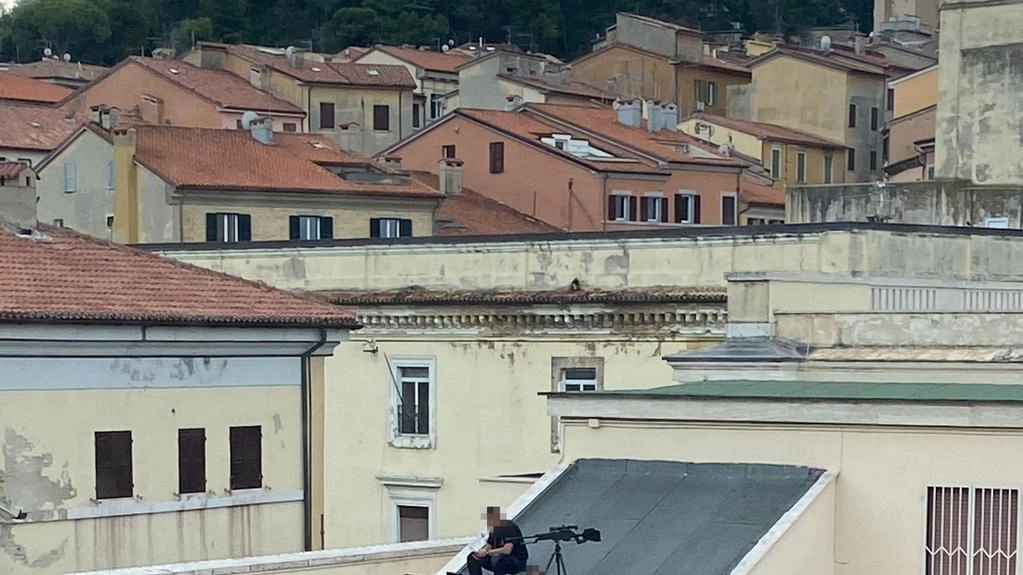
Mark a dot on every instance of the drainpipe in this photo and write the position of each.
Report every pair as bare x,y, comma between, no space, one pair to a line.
307,476
603,200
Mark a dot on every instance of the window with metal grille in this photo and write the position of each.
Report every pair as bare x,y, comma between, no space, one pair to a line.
113,465
382,118
971,531
414,402
191,460
413,523
246,457
326,115
578,379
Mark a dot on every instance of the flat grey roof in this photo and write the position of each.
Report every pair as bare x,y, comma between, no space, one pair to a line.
663,517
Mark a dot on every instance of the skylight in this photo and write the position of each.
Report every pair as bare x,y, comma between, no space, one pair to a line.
372,72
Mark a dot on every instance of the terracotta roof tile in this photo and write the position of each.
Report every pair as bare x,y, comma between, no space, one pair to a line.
766,131
755,193
473,214
22,89
340,73
425,59
10,170
426,296
39,128
58,275
54,69
829,58
224,88
201,158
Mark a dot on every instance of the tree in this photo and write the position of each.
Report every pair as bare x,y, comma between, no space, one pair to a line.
187,32
351,26
78,27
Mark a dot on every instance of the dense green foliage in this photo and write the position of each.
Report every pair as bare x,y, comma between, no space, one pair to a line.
105,31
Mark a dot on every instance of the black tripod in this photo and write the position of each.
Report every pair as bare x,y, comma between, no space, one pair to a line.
558,560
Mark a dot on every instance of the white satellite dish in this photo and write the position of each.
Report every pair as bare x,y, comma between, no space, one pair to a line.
248,118
445,48
451,42
47,52
825,42
67,57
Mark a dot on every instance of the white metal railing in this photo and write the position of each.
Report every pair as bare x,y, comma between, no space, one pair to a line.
892,298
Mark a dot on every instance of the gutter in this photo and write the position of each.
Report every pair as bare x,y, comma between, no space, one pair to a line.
307,476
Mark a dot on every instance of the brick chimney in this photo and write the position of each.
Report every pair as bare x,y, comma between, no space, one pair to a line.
449,172
17,195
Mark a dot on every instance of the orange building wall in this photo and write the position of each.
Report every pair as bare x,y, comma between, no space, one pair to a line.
634,75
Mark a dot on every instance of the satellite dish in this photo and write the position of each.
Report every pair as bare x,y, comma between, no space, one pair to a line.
445,48
451,42
67,57
248,118
825,42
47,52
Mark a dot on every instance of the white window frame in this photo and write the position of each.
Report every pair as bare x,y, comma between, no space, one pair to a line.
436,106
735,202
595,382
406,440
971,489
386,224
558,365
801,166
655,215
70,177
310,224
412,497
688,196
624,215
712,93
228,224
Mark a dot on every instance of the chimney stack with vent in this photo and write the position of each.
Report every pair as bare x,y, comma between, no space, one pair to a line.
653,117
669,117
263,130
630,113
860,44
449,173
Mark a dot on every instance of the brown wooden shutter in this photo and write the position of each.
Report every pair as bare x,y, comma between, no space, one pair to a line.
664,209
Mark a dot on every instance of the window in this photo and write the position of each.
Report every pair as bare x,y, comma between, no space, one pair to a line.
885,143
776,163
874,119
290,127
436,106
447,151
311,227
654,208
578,379
413,390
971,530
891,100
110,221
930,172
712,93
70,177
801,167
621,207
228,227
829,162
413,523
999,222
706,92
850,157
59,222
496,157
238,124
873,160
416,115
852,115
381,118
390,228
327,116
246,457
755,221
687,208
191,460
728,209
113,465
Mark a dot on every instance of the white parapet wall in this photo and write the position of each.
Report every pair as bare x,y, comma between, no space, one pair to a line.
415,558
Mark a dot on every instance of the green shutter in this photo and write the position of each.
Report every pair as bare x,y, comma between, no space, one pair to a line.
405,228
374,227
211,227
244,228
293,224
326,228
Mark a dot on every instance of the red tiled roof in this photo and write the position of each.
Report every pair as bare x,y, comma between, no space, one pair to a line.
766,131
200,158
10,170
23,89
339,73
58,275
420,295
604,122
223,88
351,53
729,63
425,59
40,128
58,69
570,88
473,214
752,192
825,58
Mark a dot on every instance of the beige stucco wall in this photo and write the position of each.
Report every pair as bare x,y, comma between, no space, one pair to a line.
159,221
49,469
628,74
820,109
744,143
270,220
807,546
916,92
905,130
86,209
883,473
355,104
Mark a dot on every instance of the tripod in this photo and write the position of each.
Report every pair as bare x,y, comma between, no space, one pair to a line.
558,559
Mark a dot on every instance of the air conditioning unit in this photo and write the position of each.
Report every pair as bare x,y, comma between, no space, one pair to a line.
700,106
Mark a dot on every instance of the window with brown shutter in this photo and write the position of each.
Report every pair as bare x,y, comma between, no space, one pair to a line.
633,212
191,460
327,116
381,118
113,465
246,457
496,157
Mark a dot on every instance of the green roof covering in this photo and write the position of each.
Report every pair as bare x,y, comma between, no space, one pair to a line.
838,391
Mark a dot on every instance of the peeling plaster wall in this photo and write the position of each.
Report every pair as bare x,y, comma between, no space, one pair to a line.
1000,329
980,92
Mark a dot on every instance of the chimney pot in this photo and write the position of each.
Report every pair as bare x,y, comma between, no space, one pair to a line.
630,113
449,172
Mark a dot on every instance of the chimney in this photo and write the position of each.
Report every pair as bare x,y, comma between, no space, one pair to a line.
669,117
512,102
653,117
630,113
96,116
18,201
860,45
393,162
449,172
263,130
113,118
126,204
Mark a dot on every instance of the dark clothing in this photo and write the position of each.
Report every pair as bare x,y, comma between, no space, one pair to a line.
500,565
500,534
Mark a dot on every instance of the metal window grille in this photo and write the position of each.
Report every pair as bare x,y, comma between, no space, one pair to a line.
972,531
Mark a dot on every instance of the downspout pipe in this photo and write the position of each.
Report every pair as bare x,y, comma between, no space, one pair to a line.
307,475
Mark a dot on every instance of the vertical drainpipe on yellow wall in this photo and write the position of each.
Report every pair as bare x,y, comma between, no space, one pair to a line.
312,445
126,214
